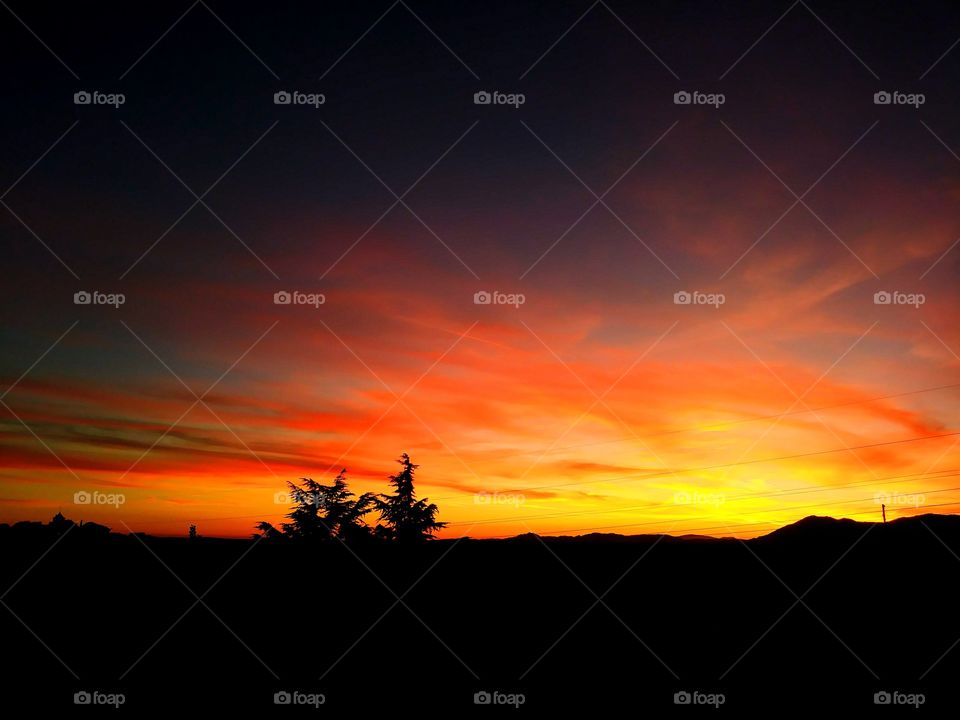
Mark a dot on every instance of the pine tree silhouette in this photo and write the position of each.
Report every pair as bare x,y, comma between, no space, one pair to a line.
404,518
323,512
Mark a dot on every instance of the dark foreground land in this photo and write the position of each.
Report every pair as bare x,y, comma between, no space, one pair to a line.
821,614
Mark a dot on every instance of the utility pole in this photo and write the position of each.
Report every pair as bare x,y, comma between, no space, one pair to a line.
883,509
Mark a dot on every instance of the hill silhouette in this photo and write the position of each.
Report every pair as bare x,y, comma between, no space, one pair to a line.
822,610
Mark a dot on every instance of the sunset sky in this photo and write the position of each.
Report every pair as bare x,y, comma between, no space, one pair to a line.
599,403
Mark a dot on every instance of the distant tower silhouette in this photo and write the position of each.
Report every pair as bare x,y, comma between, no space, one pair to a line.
883,509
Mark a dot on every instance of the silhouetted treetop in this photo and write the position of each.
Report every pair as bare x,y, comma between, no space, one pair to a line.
404,518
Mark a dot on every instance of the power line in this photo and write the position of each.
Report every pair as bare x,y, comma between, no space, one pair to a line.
676,471
938,474
701,428
690,531
946,472
780,509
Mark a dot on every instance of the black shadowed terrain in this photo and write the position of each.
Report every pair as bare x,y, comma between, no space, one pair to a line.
877,611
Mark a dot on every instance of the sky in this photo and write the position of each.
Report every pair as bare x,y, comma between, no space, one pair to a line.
588,395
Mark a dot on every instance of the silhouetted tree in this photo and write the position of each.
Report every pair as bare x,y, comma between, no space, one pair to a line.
406,519
323,512
192,534
305,519
343,514
268,532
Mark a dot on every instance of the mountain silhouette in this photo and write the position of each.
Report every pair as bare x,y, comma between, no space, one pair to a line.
848,608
